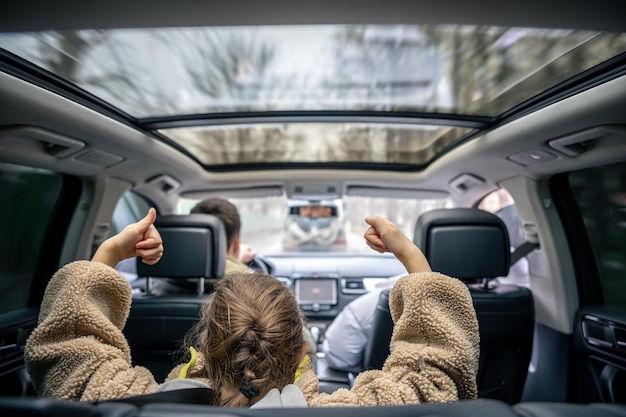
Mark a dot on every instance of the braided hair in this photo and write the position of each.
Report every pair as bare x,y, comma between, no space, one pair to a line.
250,334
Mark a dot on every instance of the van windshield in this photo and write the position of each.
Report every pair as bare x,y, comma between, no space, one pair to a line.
276,225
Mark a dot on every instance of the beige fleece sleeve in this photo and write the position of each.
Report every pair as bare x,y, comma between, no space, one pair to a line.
78,351
434,349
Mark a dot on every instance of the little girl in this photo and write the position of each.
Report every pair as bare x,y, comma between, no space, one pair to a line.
248,346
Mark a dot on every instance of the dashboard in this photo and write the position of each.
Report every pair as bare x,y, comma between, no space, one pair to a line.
324,283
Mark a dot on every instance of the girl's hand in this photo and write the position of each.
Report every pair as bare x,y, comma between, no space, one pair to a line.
384,236
138,239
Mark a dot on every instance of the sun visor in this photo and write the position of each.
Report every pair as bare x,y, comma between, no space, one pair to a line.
393,192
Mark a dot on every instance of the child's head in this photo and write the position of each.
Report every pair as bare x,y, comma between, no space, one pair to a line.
250,333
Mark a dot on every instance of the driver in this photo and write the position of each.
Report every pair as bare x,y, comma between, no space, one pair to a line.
238,254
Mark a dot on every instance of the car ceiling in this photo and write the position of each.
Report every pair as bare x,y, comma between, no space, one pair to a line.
36,15
485,157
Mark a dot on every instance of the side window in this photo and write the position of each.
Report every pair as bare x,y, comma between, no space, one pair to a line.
501,203
130,208
27,201
600,194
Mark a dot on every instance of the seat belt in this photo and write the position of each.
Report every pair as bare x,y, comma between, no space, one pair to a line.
531,242
519,252
523,250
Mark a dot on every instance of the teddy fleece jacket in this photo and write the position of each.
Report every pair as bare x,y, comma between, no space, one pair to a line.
78,350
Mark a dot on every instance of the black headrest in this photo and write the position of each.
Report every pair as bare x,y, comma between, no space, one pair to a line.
194,247
464,243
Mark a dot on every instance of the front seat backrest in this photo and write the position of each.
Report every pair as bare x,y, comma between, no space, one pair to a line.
375,354
473,246
194,249
464,243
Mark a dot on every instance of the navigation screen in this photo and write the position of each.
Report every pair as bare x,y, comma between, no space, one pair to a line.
322,291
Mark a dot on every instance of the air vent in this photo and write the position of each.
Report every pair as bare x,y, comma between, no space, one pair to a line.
353,286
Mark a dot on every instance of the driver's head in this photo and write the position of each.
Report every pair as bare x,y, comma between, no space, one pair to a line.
315,211
226,212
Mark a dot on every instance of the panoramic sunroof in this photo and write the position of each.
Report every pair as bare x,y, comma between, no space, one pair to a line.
453,78
443,69
397,144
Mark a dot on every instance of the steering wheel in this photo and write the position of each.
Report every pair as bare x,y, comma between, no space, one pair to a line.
260,264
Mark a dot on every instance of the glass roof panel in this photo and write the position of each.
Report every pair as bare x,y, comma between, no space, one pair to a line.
442,69
315,142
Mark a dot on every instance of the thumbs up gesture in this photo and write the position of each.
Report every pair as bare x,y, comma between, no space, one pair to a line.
137,239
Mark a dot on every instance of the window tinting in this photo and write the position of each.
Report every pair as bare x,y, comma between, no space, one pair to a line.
129,209
27,200
601,197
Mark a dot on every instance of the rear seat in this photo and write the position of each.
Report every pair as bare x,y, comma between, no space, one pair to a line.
553,409
10,406
195,248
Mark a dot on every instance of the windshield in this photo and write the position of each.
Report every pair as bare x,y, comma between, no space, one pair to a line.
276,225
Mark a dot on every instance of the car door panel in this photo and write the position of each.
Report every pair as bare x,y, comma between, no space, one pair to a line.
15,327
600,349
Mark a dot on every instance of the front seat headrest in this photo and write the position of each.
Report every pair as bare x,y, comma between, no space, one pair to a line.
194,247
465,243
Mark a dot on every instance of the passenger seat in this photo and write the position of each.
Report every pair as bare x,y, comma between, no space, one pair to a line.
194,248
473,246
